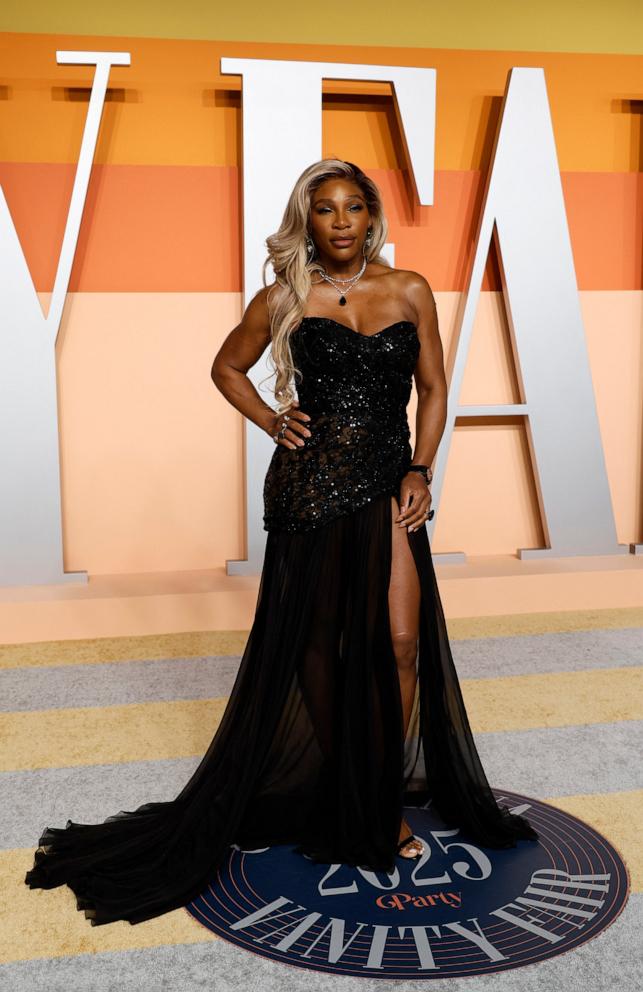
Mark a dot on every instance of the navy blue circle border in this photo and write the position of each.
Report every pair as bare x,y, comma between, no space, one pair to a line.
566,844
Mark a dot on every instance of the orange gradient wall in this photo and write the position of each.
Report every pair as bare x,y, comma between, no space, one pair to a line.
151,453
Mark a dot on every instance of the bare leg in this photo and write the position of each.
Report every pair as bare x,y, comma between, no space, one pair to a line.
404,611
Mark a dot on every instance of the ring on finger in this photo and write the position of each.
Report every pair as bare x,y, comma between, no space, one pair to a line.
428,515
281,433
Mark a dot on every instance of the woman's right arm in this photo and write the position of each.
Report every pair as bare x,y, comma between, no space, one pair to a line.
241,349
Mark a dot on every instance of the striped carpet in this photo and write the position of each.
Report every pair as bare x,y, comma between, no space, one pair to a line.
89,727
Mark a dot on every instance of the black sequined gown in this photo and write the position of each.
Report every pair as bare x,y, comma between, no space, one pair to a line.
310,749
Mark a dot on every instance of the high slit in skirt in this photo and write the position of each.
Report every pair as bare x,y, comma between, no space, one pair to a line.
310,750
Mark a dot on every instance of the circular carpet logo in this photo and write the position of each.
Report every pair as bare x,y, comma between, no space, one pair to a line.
461,909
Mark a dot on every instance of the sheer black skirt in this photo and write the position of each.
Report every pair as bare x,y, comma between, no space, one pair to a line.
310,749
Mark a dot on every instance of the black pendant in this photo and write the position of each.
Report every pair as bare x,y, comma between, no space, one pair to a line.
342,301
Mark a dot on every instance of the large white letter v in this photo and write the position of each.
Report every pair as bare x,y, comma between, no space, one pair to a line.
30,513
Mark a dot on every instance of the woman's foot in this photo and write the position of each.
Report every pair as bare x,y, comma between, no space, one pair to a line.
409,846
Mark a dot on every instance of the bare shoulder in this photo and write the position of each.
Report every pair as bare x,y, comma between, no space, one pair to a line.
256,318
417,292
410,288
260,301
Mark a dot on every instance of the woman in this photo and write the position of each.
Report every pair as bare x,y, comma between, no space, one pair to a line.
346,707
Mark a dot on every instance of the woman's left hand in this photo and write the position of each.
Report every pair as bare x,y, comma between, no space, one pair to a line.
415,501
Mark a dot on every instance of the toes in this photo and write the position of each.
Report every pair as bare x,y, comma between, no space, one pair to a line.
412,849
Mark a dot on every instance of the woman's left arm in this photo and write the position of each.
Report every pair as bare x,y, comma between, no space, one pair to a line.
431,387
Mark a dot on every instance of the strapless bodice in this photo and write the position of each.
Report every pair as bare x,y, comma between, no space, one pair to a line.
356,388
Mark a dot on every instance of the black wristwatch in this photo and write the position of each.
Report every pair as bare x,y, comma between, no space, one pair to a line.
423,470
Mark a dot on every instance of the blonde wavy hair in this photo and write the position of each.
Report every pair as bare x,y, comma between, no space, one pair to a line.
293,267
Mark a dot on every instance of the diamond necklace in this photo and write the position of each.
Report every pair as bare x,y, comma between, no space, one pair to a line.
333,280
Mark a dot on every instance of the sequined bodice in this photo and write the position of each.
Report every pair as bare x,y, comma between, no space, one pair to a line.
355,387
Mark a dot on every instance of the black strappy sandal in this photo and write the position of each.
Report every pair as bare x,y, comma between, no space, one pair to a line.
416,854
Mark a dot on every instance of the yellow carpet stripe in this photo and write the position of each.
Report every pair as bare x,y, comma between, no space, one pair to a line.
617,816
108,734
43,923
191,644
557,699
182,728
87,651
564,621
